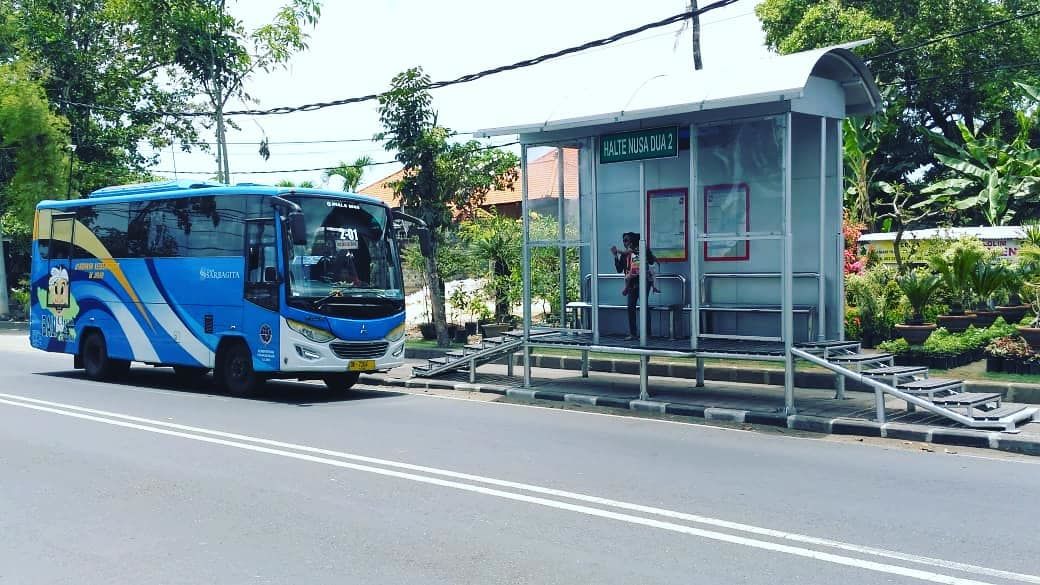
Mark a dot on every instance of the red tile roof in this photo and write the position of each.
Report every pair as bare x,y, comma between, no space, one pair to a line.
544,181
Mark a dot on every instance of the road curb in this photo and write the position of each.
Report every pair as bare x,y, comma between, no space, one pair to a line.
1025,445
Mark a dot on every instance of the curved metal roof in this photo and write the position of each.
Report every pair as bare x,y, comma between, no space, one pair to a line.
779,78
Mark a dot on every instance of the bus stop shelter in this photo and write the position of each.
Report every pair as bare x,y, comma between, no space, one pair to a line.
734,180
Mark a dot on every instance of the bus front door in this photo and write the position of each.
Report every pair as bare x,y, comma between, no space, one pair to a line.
260,319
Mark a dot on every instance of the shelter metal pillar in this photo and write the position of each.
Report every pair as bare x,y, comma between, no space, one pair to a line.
692,231
594,244
821,279
644,392
526,263
787,322
561,234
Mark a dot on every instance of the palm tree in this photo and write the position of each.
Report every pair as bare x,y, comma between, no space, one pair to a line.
351,173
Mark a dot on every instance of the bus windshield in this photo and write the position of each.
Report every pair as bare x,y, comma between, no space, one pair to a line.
349,253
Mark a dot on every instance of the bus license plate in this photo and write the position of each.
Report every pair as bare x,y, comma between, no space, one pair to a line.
361,365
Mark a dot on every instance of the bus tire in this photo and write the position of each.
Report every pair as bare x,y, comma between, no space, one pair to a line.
341,382
96,362
236,374
190,374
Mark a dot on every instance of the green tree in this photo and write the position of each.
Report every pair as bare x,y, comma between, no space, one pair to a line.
288,183
33,140
351,173
215,51
494,242
441,179
94,52
941,83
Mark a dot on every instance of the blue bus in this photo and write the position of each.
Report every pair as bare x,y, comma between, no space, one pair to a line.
249,281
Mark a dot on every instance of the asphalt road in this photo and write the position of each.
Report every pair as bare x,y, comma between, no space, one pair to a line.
145,482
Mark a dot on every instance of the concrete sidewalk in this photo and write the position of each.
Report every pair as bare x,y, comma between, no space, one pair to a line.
817,410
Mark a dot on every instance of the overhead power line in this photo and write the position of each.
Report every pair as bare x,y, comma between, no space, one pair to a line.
953,35
434,85
313,169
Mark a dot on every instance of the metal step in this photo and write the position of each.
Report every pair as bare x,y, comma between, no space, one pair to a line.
889,371
440,361
998,413
860,358
964,399
474,346
931,385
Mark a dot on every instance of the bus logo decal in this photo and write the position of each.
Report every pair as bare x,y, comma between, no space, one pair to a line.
212,274
266,334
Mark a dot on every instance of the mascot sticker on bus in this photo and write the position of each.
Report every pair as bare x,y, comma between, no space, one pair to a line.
59,322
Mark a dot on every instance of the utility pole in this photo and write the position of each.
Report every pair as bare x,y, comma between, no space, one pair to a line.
5,309
695,28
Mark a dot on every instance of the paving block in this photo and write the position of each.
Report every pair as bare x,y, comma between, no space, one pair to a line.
648,406
906,432
684,410
814,424
1026,445
520,393
725,414
614,401
962,437
851,426
586,399
766,418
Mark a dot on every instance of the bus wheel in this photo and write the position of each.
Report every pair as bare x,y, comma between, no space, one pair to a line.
342,382
96,362
236,373
190,374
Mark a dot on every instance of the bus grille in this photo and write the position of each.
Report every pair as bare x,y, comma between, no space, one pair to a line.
360,350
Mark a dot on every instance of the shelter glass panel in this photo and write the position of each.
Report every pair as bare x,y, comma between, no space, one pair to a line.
740,188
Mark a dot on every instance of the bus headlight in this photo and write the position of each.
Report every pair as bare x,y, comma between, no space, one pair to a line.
313,333
396,333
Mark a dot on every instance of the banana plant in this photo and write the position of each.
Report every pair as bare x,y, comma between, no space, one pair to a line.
991,175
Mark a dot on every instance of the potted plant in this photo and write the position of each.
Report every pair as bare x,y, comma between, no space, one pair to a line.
956,269
428,331
1031,332
986,280
1014,281
918,287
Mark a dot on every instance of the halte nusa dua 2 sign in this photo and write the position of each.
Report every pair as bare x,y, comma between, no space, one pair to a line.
639,145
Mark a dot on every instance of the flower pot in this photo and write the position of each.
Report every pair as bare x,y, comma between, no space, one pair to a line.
471,327
1013,313
956,323
495,329
1031,335
915,334
985,318
428,331
994,364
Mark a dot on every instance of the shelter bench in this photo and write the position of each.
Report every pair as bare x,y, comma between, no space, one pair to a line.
709,307
579,311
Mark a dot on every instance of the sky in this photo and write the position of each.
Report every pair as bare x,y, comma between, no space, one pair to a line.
356,48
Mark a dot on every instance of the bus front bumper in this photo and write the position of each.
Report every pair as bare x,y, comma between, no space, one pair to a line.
302,355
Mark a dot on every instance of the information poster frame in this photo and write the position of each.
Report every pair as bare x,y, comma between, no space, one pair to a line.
727,250
672,204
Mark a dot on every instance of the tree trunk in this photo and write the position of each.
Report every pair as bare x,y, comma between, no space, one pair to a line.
433,279
502,308
895,248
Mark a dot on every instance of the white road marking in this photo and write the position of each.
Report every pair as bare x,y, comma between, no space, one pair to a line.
197,433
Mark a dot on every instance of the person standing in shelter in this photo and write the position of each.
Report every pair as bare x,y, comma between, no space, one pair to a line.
627,262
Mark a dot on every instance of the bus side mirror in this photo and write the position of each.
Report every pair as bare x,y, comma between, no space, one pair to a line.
297,228
425,241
